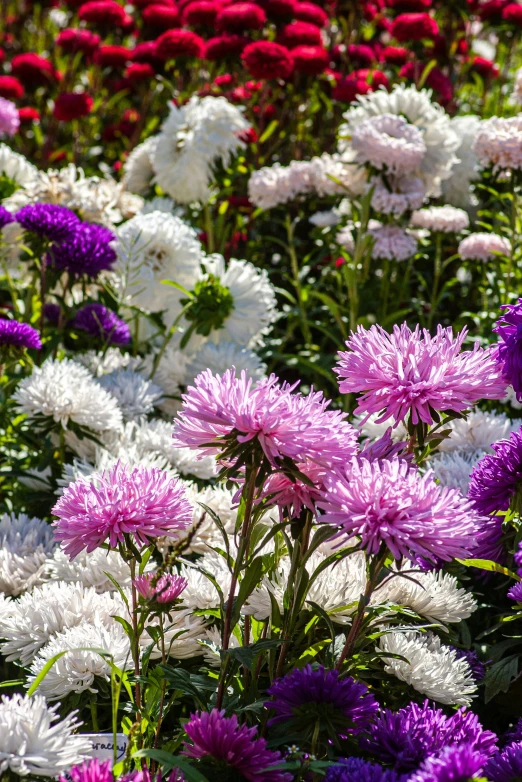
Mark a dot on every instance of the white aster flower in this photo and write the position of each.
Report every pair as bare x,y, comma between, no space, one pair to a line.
483,247
477,432
137,170
432,668
91,569
192,140
182,631
325,219
389,142
34,741
434,595
170,374
200,592
429,118
372,430
456,189
211,643
392,243
78,669
135,395
103,363
406,193
447,219
345,238
58,17
453,468
220,500
221,357
162,204
66,391
25,547
16,168
154,247
498,143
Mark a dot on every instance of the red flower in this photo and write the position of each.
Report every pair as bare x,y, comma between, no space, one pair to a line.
409,6
32,69
248,136
180,43
163,17
311,60
485,68
414,27
300,34
2,56
72,105
280,9
147,52
223,46
359,83
112,56
201,12
145,3
361,54
225,80
139,71
435,80
267,60
512,13
74,40
239,95
492,10
105,12
395,55
240,16
28,114
310,12
10,88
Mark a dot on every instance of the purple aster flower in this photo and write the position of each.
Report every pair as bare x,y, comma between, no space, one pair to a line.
390,502
508,351
223,412
515,593
90,771
50,221
496,477
9,118
490,544
221,740
505,766
5,217
101,322
141,502
478,669
167,588
306,696
88,251
406,737
517,559
359,770
52,313
513,735
20,335
385,448
452,764
411,372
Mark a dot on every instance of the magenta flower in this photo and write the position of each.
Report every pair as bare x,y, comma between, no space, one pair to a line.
413,372
391,503
294,495
90,771
167,588
9,118
144,503
221,740
222,410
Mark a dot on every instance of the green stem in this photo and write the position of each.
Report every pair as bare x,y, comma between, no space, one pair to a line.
209,228
385,290
94,713
170,333
437,270
294,264
135,638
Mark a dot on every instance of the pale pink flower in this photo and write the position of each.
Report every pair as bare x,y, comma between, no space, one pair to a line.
483,247
167,588
390,142
9,118
294,495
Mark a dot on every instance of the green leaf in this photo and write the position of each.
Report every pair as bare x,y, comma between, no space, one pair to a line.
251,579
247,655
269,131
487,564
500,676
43,673
169,762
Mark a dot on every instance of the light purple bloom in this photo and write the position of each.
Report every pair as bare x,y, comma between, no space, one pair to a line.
144,503
496,477
9,118
5,217
101,322
390,502
20,335
452,764
223,410
167,588
515,593
294,494
221,739
50,221
411,371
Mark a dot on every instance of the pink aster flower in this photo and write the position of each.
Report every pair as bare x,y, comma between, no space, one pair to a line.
143,502
294,495
167,588
9,118
412,372
221,740
390,502
220,411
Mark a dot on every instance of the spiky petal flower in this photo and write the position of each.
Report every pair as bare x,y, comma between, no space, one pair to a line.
166,589
359,770
305,696
496,478
453,764
406,737
508,351
505,766
411,371
293,494
90,771
88,251
220,410
49,221
144,503
515,593
32,739
102,323
392,503
20,335
222,740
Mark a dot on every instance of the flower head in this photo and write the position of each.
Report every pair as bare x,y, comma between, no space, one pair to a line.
72,105
267,60
9,118
498,143
392,503
389,142
452,764
221,739
306,696
90,771
144,503
165,589
392,243
295,494
505,766
515,593
508,351
411,372
102,323
359,770
20,335
50,221
497,477
447,219
483,247
88,251
223,410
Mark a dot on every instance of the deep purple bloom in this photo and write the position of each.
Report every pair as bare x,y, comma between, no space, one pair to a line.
496,477
52,313
517,559
88,251
405,738
50,221
490,544
359,770
167,588
101,322
90,771
508,351
514,735
452,764
505,766
20,335
306,696
221,739
143,502
5,217
478,669
515,593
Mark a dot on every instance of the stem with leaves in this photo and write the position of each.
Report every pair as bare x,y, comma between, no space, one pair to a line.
294,264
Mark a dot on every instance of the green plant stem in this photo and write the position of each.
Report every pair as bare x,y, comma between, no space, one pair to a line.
437,270
513,227
94,714
168,337
136,639
385,290
209,228
294,264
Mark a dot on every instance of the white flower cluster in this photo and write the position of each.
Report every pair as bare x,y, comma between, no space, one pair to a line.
26,545
498,143
446,219
483,247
